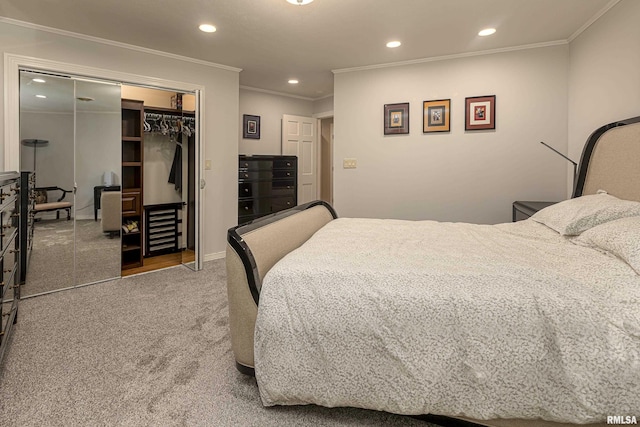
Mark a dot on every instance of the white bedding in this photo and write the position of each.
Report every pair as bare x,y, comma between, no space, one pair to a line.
504,321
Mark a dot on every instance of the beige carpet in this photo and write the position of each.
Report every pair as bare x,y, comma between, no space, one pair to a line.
51,264
147,350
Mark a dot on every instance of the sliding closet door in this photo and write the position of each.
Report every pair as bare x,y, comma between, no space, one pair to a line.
98,130
47,148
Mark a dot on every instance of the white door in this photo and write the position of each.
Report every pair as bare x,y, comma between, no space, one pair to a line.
299,138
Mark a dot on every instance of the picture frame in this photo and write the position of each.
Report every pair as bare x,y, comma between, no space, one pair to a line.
396,118
480,112
250,126
436,116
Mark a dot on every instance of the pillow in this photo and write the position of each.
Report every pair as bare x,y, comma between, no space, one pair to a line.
620,238
572,217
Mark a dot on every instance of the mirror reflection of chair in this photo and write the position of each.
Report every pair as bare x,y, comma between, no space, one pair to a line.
111,205
44,205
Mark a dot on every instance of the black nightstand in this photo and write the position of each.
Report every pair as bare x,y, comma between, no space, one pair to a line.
523,210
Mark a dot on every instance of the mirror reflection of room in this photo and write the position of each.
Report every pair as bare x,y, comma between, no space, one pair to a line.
69,141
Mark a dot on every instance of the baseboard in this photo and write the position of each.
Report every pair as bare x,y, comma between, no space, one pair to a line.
214,256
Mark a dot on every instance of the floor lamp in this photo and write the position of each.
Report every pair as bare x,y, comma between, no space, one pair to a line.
35,143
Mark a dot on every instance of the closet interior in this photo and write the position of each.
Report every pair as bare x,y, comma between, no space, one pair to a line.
158,179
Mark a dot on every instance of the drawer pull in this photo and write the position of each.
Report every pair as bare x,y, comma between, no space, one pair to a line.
246,190
8,270
288,173
288,163
288,203
246,175
14,251
15,215
246,208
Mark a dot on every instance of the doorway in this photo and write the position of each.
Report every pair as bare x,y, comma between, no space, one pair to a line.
13,147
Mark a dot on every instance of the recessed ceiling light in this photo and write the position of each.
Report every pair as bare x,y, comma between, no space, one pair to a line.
299,2
38,80
487,32
394,44
207,28
293,82
41,96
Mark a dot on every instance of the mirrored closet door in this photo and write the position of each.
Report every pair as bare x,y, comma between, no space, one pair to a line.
70,140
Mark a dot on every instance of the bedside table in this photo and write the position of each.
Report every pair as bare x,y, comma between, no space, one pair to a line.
523,210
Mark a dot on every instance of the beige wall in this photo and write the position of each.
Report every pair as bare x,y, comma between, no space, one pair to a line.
221,87
604,83
270,108
455,176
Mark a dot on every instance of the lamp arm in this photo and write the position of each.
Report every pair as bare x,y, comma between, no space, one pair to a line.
559,153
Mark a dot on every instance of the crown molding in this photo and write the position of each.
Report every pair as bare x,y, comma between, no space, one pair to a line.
116,44
450,57
593,19
273,92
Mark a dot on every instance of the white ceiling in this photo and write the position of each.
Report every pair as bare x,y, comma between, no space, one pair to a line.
273,41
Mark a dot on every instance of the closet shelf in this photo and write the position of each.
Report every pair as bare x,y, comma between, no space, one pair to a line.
131,163
131,138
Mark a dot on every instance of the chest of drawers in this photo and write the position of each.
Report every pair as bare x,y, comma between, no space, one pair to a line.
266,184
9,254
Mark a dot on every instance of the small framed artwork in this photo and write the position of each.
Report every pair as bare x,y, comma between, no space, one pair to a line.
250,126
436,116
396,118
480,112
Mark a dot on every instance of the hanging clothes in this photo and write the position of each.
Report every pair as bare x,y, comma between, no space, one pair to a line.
175,176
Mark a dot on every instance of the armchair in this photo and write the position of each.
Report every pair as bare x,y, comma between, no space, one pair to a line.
44,205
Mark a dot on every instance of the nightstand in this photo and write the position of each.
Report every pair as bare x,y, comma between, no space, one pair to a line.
523,210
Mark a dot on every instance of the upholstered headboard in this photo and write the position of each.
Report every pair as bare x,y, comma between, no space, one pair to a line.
611,161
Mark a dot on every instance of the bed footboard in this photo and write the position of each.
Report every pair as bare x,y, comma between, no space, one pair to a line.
252,250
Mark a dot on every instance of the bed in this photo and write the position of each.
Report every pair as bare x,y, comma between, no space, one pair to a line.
535,323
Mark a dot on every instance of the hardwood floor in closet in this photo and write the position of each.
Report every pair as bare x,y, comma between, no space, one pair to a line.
161,261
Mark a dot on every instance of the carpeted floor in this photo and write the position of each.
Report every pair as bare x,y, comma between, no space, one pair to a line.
146,350
51,263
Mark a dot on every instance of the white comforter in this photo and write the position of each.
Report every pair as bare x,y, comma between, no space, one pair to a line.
509,321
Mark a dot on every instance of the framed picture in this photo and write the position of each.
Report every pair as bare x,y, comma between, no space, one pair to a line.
436,116
396,118
250,126
480,112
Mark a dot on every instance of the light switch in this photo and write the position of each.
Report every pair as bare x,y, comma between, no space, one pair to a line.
207,164
349,163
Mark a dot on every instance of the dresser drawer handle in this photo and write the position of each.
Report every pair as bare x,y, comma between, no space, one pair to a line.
288,173
288,163
288,203
14,251
246,175
246,208
246,165
246,190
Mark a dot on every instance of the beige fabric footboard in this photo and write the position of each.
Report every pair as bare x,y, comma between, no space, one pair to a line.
267,244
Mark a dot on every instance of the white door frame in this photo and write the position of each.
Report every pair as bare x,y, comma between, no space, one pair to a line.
12,65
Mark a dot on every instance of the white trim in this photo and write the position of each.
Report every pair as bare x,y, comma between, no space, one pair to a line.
273,92
593,19
449,57
323,97
116,44
214,256
323,115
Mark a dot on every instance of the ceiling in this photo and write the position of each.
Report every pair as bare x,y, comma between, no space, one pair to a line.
273,41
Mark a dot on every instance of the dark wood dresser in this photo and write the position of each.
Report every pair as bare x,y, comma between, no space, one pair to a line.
266,184
9,258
